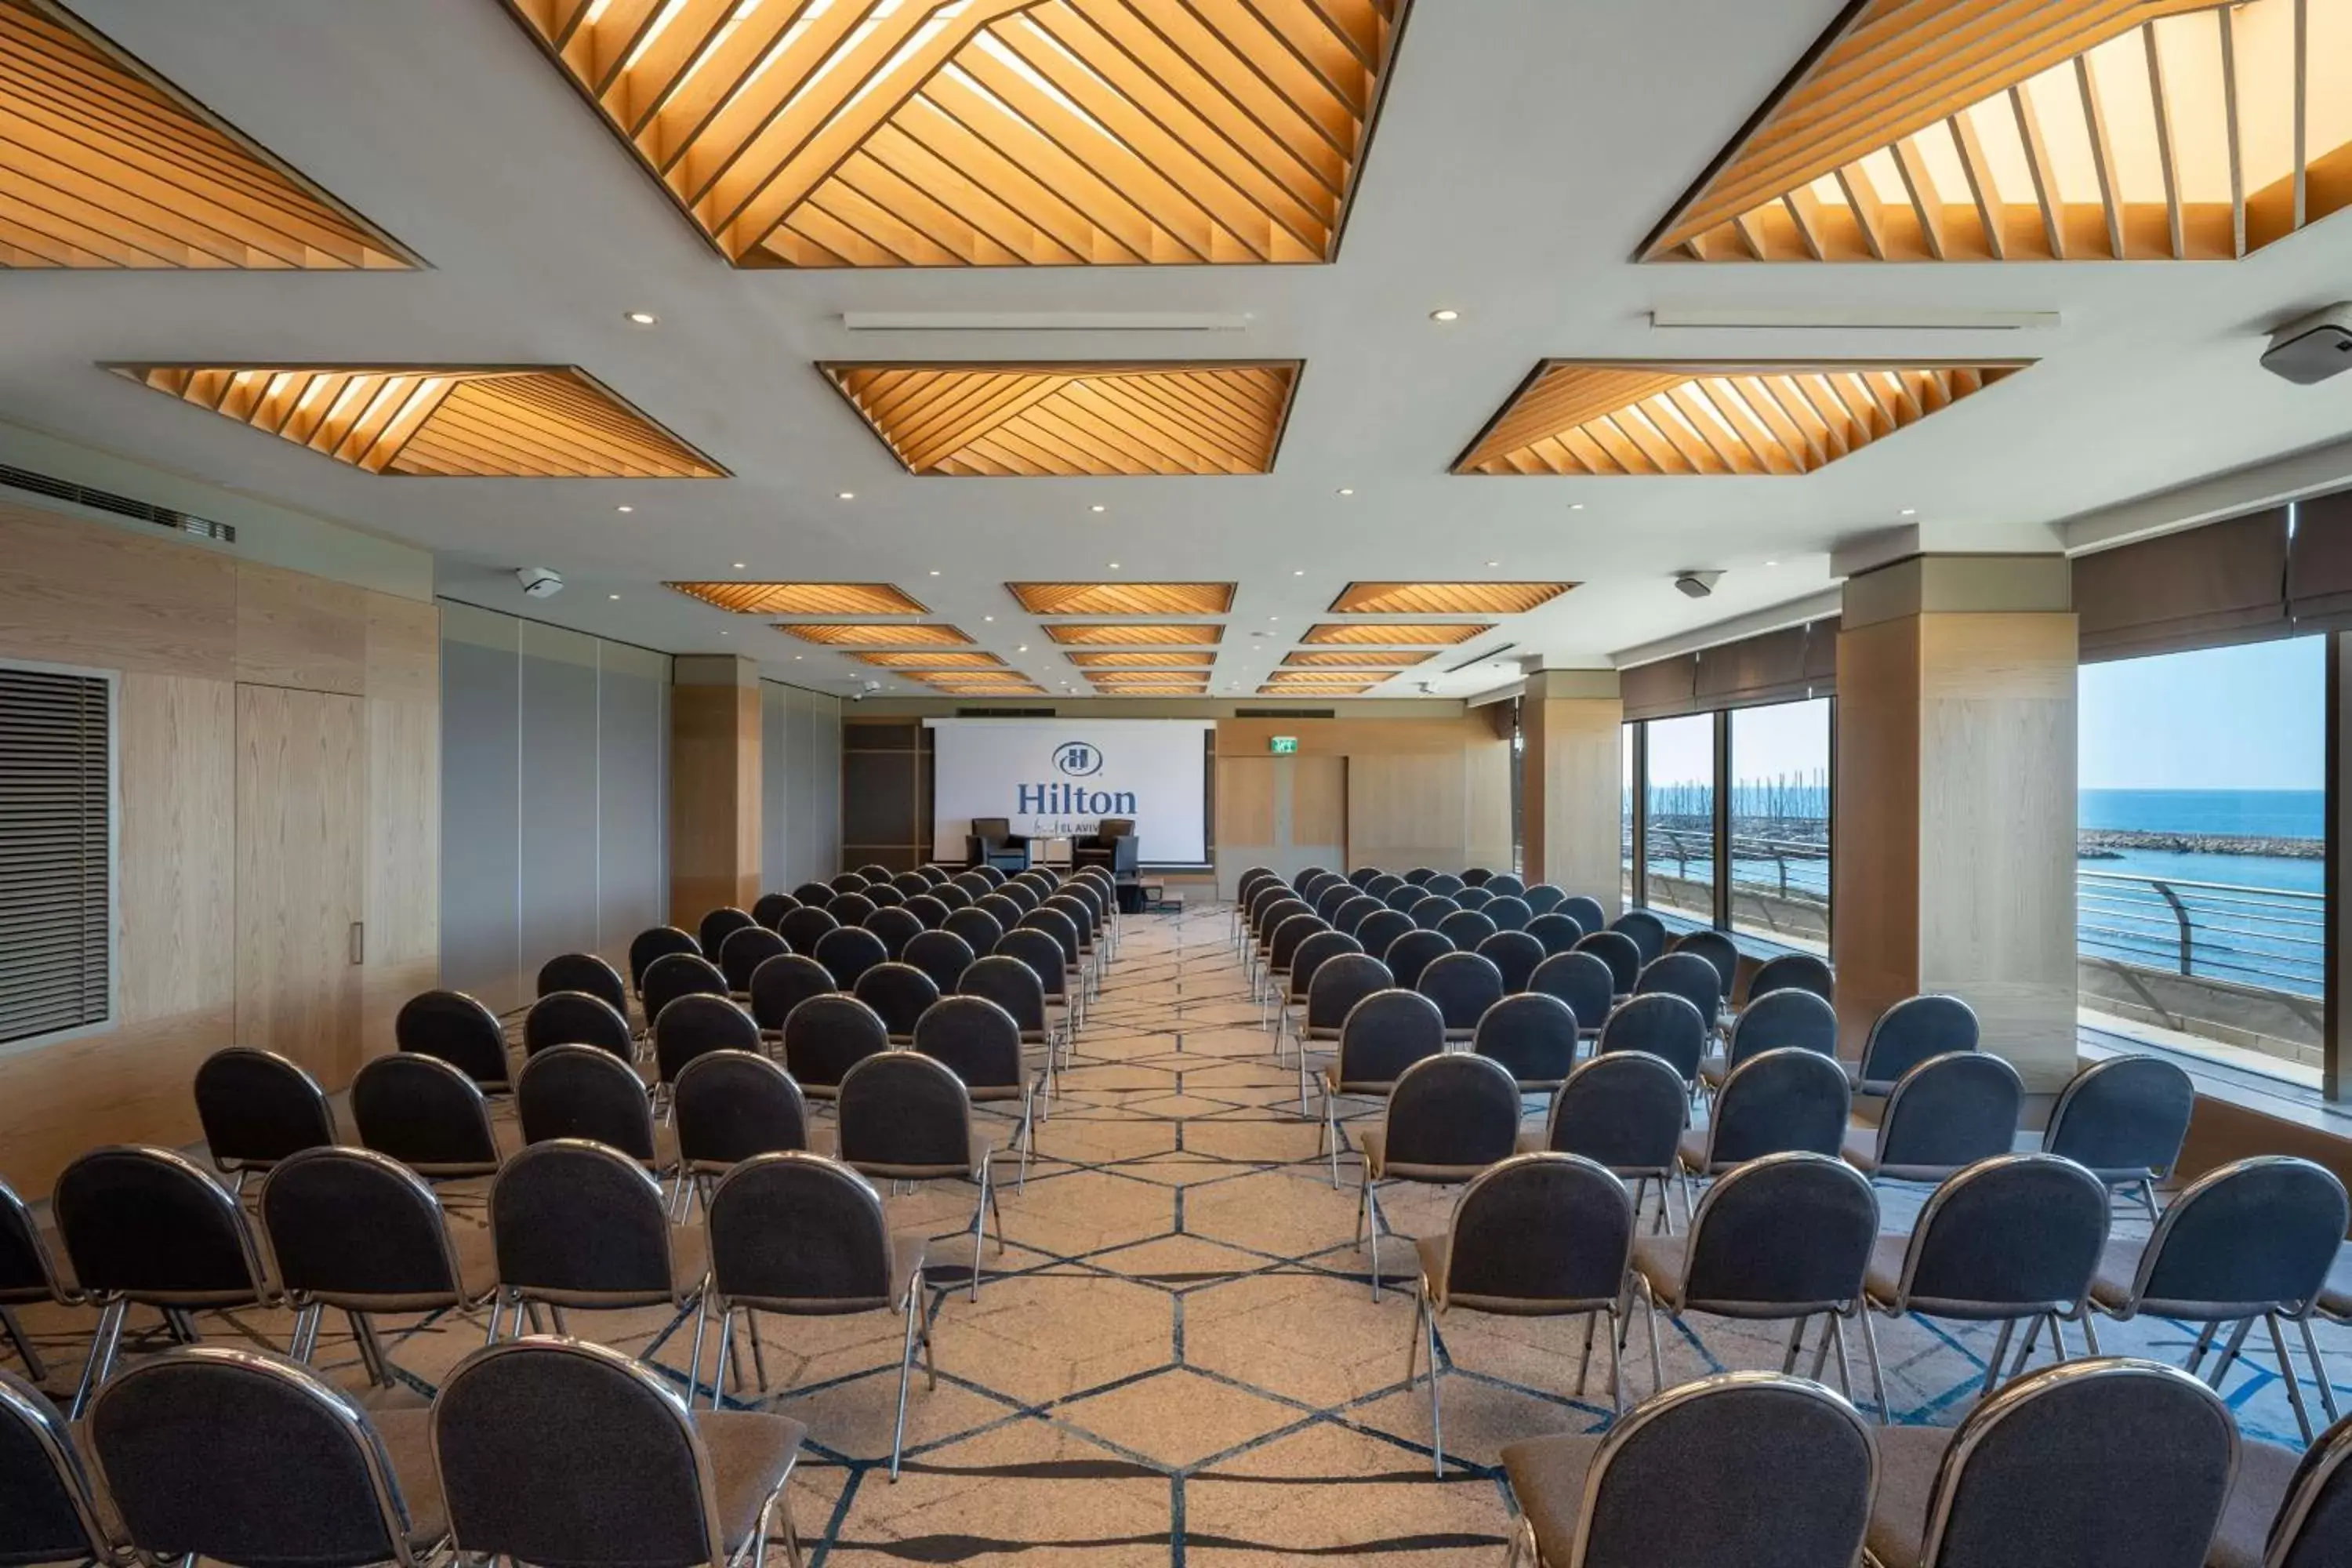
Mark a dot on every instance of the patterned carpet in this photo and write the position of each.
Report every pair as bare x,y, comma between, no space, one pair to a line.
1176,1359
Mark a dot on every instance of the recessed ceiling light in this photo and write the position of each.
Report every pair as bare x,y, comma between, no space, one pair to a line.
1274,618
1494,564
796,658
612,596
1346,490
726,634
624,509
1575,506
1771,563
739,565
644,318
1301,572
1445,315
935,571
1097,507
988,618
849,495
1114,565
1910,512
1022,648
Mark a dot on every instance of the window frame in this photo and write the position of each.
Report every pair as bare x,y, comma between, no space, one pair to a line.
111,1018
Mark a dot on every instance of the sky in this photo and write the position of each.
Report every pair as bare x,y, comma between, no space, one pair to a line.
1787,739
2247,717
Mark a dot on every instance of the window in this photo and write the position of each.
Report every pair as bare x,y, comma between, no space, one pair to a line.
2200,910
56,799
1625,747
1679,816
1781,823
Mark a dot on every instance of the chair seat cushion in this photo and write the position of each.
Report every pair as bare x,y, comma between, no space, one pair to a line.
1713,1071
2111,1286
2334,1296
1859,1148
981,1146
1548,1478
1659,1259
1692,1149
407,1437
1907,1461
1431,1250
2265,1470
751,1453
1886,1270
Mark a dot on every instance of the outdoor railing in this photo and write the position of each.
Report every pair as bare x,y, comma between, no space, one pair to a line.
2269,938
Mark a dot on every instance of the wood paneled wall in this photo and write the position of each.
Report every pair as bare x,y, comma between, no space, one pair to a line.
207,646
715,786
1573,799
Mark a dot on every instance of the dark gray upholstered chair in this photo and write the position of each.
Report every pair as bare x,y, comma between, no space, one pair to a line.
898,993
1445,884
656,942
1793,971
1718,951
1907,1034
1548,1236
1516,954
1022,896
1290,1008
238,1457
1324,899
942,955
1430,909
825,1037
1005,911
1783,1238
256,1108
576,1018
897,928
581,1224
2253,1239
976,926
815,894
2126,1118
908,1118
1448,1117
1404,895
1043,955
1381,928
850,882
584,972
980,1042
1687,975
679,975
1544,897
710,933
1618,950
849,953
804,926
1353,912
52,1511
1315,881
1946,1113
1662,1024
730,1106
1418,875
1505,885
2015,1239
851,909
1586,911
1583,981
1015,986
1466,928
1778,1020
144,1227
1272,905
1064,932
1773,1101
989,875
428,1115
801,1236
1413,952
2097,1464
1743,1469
930,908
884,896
560,1452
912,883
1280,947
1624,1111
579,1091
1382,1036
740,955
1648,932
359,1232
1382,885
770,907
1508,913
783,983
694,1025
2289,1510
454,1027
1464,986
952,895
1534,1036
28,1273
876,874
1475,876
1339,984
1474,897
1365,876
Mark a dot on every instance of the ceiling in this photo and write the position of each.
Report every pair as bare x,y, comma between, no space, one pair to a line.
1523,151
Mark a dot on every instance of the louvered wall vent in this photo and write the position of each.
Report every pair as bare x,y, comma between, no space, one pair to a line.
57,916
1285,712
121,505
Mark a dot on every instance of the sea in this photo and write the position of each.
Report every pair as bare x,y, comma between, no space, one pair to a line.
2234,812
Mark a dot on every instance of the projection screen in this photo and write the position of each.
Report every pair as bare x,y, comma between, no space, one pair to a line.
1054,777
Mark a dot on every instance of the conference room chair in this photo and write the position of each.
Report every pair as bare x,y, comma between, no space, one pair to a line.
1244,887
1325,898
28,1274
146,1228
1532,1236
976,926
1508,913
1447,1118
578,1224
900,994
1664,1026
711,932
1583,981
815,895
1476,876
783,983
1585,911
2288,1509
651,944
1778,1020
1618,950
1717,949
1037,879
1312,882
1015,986
2126,1119
1057,925
1413,952
941,954
1382,885
558,1451
951,896
896,927
1086,916
235,1455
584,972
770,907
1907,1034
1474,898
1466,928
1626,1112
906,1117
1381,928
679,975
430,1117
849,953
1043,955
875,873
1948,1111
1445,884
730,1106
1351,916
1464,986
2012,1240
1533,1036
1382,1036
692,1027
1784,1238
1289,1007
1543,898
1742,1468
1364,875
1793,972
1404,895
804,928
1687,975
576,1018
851,909
935,873
256,1108
356,1232
1516,954
1773,1102
930,908
826,1035
53,1513
2114,1463
980,1042
1338,983
451,1027
885,896
580,1092
2252,1240
743,951
912,883
1263,925
993,876
1005,911
796,1235
848,882
1557,932
1648,932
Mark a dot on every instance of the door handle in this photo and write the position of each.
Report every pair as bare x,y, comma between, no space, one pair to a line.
359,941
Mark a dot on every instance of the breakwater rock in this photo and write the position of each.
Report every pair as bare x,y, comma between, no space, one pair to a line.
2105,844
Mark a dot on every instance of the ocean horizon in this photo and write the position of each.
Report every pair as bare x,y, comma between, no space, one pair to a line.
2220,813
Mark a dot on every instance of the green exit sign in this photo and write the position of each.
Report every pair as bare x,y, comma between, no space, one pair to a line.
1283,745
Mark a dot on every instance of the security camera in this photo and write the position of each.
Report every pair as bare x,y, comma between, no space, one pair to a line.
2313,348
538,582
1697,584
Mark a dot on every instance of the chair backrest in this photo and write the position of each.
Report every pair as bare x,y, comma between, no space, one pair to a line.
1381,928
1910,1032
2314,1517
1464,986
2124,1116
815,895
1648,932
578,1091
258,1107
576,1018
744,951
941,954
1249,882
951,896
240,1457
783,983
1685,974
770,907
719,924
898,993
1386,1033
930,908
27,1271
1663,1025
1318,949
1021,895
1788,1231
1062,929
1445,884
1579,979
1625,1111
977,928
560,1451
1450,1114
2094,1462
1687,1477
1005,911
1382,885
2018,1232
1717,948
695,1025
1288,935
850,882
584,971
884,896
1793,971
2261,1232
1430,910
1010,985
904,1113
1509,912
912,883
732,1105
656,942
350,1227
1339,984
1516,954
1543,898
978,1041
679,975
896,927
1557,932
1353,912
825,1037
458,1030
48,1512
851,909
1325,898
1585,911
426,1114
1779,1020
1041,953
1618,950
797,1232
1312,882
1778,1101
1466,929
1363,876
804,926
1404,895
1474,897
1271,911
1418,875
146,1224
849,953
1532,1035
1475,876
1415,952
576,1220
1548,1228
1947,1112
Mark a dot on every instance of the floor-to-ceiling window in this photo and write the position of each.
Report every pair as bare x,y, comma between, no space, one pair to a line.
1780,850
1678,815
1627,744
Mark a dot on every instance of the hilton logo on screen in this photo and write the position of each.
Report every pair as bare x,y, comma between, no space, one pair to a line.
1067,798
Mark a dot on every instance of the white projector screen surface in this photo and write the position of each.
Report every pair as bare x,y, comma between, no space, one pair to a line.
1056,777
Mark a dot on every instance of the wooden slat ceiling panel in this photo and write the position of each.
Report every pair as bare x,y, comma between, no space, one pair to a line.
804,598
1147,677
464,421
1362,634
1115,634
1444,598
931,661
1124,598
1775,417
1274,689
990,133
876,635
1070,420
2038,130
105,165
1370,658
1141,661
1322,678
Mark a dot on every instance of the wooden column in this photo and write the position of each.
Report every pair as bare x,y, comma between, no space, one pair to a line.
1955,800
714,785
1572,782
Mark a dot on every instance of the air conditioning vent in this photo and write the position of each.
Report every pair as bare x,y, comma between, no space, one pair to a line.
1005,713
121,505
1285,712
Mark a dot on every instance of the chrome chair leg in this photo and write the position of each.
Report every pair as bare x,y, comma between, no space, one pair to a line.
1835,1330
103,1346
2287,1375
1877,1371
694,1361
2000,1354
2204,1342
1796,1347
906,1364
758,1356
1584,1359
371,1348
2231,1352
1616,1369
1657,1358
725,1339
2318,1368
33,1369
305,1337
2090,1334
1436,1406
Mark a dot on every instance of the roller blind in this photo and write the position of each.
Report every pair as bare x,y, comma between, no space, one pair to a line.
2319,562
2202,587
56,912
1786,666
